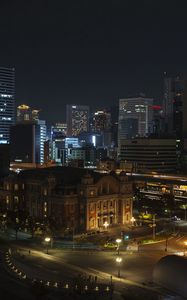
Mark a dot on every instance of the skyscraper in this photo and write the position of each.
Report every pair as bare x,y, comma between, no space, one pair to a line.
77,117
7,103
101,121
114,123
27,142
135,117
58,134
26,114
41,137
28,136
174,106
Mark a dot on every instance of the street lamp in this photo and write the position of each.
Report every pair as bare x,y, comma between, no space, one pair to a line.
133,220
185,243
118,241
118,261
106,225
4,222
47,240
166,248
154,227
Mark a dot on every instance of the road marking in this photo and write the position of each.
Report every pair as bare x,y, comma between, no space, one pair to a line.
180,238
123,280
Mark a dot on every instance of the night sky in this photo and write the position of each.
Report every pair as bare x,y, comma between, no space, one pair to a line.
91,52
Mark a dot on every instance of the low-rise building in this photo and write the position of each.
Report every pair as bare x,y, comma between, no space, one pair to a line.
148,155
73,198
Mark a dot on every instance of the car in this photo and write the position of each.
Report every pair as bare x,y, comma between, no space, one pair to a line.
110,245
175,218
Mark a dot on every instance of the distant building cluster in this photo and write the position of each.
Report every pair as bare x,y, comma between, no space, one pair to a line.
136,133
73,173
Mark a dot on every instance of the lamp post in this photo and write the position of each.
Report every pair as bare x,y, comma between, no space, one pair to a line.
154,226
133,220
185,243
118,241
4,222
166,248
47,240
118,261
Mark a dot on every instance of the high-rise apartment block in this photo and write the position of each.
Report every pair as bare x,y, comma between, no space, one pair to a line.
7,103
77,119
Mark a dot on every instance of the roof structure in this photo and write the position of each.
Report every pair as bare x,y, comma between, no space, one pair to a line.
64,175
171,273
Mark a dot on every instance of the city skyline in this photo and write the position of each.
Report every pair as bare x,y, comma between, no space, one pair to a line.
91,54
93,149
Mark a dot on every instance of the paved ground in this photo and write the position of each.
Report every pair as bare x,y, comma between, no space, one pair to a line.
62,265
136,268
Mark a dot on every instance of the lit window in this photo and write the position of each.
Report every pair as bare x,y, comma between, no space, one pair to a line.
105,204
16,199
45,206
16,187
7,199
92,207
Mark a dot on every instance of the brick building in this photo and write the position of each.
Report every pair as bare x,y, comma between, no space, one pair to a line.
74,198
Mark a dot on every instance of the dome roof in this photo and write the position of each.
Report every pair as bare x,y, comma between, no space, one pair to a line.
171,273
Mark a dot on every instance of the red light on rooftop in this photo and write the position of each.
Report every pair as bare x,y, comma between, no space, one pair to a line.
156,107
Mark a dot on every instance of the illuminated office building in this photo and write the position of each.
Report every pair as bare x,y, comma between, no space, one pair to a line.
58,131
77,119
32,131
42,138
27,142
149,155
58,134
135,117
175,106
7,103
101,121
26,114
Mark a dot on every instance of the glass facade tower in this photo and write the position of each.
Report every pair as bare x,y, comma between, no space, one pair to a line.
7,103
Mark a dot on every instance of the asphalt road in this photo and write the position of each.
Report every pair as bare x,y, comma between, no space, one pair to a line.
10,287
136,268
61,265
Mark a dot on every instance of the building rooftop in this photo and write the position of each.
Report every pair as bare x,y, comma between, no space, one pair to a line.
64,175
